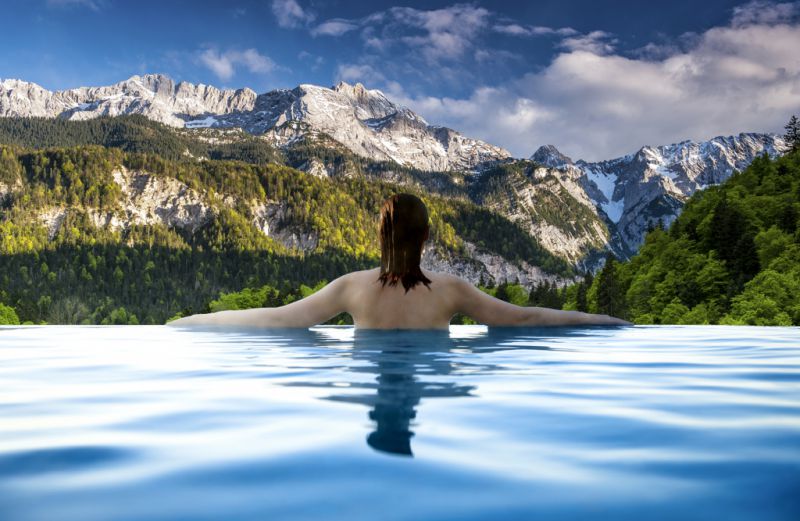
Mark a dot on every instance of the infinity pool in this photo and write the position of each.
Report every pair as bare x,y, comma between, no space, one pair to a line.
156,423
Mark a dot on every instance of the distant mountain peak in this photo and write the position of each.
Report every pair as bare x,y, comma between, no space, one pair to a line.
549,155
639,190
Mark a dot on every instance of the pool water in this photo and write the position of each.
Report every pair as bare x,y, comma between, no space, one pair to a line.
159,423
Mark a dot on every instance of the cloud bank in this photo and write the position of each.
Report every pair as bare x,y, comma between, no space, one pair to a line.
592,101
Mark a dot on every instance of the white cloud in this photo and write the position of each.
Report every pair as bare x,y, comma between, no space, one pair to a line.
223,65
597,42
254,62
335,27
289,14
447,33
515,29
438,34
594,104
484,56
763,12
512,29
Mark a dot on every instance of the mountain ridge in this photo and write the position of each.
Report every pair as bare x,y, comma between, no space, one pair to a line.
366,121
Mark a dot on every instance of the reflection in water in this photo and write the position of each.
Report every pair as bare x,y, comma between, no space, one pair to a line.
409,366
400,387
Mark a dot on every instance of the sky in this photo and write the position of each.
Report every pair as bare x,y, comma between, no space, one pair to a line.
596,79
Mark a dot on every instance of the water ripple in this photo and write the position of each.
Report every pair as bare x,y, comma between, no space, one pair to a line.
553,423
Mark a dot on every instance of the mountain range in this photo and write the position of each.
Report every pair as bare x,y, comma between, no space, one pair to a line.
573,208
363,120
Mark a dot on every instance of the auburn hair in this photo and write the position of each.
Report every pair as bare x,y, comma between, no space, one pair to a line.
403,231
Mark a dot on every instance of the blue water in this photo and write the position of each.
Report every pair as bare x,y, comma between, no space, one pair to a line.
155,423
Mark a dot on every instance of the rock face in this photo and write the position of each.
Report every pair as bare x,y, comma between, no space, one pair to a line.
271,218
6,189
484,267
636,192
549,204
147,199
150,199
364,121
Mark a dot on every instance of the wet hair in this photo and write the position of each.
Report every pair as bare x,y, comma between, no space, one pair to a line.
404,229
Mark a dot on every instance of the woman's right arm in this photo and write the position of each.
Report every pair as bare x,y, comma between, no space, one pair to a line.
491,311
304,313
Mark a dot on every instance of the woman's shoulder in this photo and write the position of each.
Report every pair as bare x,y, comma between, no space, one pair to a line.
444,279
361,275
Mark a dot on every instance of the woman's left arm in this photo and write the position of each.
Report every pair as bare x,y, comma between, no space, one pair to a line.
312,310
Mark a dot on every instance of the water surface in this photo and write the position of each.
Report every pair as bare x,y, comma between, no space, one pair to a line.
140,423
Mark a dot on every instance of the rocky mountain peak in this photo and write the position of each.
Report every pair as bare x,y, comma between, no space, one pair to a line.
549,155
354,90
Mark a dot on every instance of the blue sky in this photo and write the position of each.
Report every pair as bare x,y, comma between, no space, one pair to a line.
596,79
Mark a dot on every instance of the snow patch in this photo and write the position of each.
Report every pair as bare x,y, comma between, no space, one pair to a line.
210,121
614,209
665,171
603,181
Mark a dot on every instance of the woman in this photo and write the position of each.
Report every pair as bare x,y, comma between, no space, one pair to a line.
400,294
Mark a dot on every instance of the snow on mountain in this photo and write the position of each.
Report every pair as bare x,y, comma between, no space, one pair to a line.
154,95
641,190
365,121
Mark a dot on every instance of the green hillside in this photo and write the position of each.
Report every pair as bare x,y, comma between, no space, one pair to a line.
146,273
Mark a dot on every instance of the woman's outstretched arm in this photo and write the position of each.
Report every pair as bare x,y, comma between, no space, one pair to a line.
310,311
491,311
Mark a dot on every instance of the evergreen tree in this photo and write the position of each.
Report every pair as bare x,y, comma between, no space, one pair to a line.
792,135
609,289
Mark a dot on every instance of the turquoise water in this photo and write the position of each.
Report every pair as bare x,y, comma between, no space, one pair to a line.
155,423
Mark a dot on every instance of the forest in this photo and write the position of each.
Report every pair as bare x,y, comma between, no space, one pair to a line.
731,257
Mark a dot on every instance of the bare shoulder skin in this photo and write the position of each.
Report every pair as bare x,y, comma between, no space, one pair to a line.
374,306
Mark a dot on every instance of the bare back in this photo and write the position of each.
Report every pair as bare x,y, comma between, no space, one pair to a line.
374,306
